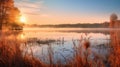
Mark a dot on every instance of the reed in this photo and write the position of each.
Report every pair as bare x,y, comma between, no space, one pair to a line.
11,55
114,58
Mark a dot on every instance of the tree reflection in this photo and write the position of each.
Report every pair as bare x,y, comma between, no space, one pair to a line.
10,35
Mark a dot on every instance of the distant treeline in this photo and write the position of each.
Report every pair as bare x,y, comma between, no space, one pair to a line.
78,25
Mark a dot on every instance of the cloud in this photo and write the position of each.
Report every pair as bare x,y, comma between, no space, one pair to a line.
29,7
33,10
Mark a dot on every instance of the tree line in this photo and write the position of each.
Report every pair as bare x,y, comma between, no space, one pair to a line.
78,25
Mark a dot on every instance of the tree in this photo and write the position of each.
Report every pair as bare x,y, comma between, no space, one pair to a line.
9,14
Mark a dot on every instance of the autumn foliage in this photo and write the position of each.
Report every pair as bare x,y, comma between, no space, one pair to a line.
9,14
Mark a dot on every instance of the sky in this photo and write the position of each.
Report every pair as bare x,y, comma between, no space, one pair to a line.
67,11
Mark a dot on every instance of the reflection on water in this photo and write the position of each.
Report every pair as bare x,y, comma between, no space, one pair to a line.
61,42
10,35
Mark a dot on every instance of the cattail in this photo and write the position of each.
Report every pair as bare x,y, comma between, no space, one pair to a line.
113,18
86,44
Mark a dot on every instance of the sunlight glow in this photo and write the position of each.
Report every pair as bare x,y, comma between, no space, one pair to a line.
21,37
22,19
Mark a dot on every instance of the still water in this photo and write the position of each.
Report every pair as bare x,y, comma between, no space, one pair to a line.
60,43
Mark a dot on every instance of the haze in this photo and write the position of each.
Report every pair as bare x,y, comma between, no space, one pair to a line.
67,11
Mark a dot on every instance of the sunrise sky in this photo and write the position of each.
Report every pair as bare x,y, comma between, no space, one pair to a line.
67,11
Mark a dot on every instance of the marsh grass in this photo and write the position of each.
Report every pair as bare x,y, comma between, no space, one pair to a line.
11,55
114,58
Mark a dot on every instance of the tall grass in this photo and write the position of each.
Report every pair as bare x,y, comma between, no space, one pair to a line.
115,52
12,56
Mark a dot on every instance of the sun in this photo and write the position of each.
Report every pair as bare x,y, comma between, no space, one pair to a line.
22,19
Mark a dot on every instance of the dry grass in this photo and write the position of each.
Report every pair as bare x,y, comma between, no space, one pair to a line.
115,52
11,55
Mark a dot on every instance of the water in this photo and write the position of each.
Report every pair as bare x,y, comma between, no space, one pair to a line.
60,42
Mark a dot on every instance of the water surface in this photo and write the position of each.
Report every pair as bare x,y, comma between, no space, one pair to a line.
60,43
